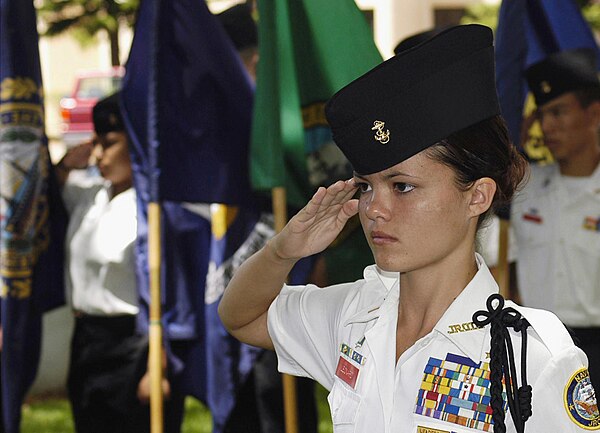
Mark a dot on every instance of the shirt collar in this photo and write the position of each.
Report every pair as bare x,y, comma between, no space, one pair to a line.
457,322
381,287
554,179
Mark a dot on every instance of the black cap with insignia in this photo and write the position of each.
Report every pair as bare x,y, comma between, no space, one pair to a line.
562,72
416,99
107,115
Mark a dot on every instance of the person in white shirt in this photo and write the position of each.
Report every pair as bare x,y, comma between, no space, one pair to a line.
556,218
423,343
107,380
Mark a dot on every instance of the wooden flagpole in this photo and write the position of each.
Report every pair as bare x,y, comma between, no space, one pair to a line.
155,327
290,406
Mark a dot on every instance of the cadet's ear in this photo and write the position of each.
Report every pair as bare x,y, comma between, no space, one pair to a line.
482,194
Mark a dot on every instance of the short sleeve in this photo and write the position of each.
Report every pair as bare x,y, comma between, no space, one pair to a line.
563,399
303,323
78,188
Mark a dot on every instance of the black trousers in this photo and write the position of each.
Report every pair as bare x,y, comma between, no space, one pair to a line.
108,359
259,406
589,342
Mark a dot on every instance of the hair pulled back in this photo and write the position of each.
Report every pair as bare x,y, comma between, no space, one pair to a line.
484,150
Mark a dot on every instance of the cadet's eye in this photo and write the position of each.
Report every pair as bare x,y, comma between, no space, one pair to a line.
403,187
363,187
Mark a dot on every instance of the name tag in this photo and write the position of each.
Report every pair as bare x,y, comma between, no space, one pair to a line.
347,372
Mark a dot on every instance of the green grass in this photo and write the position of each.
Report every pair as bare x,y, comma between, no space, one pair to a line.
53,415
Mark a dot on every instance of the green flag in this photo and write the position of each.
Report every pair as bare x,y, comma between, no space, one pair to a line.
303,62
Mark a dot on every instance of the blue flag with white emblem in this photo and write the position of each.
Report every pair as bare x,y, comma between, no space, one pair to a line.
32,218
528,31
237,233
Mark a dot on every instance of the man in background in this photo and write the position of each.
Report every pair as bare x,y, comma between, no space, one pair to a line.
556,218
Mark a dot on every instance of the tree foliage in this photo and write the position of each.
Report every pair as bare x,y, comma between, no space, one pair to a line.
87,18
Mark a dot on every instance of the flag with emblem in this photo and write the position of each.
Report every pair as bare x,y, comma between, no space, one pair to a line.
309,49
237,233
32,219
528,31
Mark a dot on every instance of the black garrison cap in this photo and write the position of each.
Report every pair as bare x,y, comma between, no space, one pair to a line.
240,26
107,115
562,72
415,99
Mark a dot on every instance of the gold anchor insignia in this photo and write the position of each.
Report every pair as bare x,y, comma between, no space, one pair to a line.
383,136
546,87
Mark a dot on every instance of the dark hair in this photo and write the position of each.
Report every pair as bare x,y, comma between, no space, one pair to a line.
587,95
484,150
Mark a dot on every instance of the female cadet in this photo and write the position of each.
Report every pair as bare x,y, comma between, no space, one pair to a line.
108,382
402,350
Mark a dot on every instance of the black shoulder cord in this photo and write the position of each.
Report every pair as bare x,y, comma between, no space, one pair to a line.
502,363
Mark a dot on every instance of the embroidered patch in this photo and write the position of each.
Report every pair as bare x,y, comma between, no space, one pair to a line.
462,327
580,401
457,390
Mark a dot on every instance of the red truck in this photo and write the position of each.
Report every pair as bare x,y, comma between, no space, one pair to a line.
76,109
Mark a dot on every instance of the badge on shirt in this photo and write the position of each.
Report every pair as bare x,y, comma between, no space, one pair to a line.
352,354
347,372
456,390
533,216
349,364
591,223
580,401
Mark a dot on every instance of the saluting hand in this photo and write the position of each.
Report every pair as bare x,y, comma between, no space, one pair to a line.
312,229
78,157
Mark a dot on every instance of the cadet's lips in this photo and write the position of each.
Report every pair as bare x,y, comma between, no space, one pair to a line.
380,238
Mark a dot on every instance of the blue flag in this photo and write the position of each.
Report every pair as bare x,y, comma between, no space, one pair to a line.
237,233
32,219
187,105
528,31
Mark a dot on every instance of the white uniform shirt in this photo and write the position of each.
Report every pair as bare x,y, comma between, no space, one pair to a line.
441,383
558,236
100,276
